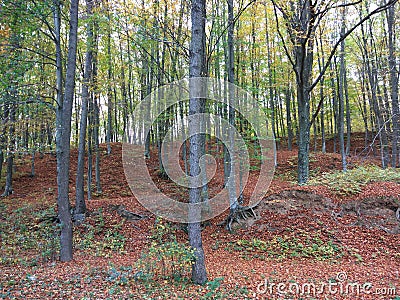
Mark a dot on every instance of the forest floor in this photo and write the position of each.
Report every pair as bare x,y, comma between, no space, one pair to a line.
336,238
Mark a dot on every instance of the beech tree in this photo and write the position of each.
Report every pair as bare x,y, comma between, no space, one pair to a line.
196,69
394,86
80,206
63,134
302,18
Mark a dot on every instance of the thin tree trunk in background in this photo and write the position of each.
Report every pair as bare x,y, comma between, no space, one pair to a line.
90,149
11,108
196,69
233,201
96,101
341,92
63,139
321,63
224,109
364,107
394,86
109,80
372,73
348,114
4,135
270,81
124,94
288,98
1,160
96,144
80,205
334,107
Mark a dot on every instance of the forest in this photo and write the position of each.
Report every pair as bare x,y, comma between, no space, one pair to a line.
202,149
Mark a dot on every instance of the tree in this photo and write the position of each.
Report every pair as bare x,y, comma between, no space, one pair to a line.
394,86
63,135
196,69
341,92
302,18
80,205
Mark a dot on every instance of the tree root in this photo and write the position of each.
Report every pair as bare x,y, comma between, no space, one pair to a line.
240,214
131,216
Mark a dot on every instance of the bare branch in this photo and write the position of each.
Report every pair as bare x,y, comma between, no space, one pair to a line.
344,36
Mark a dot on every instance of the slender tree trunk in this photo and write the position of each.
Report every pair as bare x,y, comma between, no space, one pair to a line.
233,200
321,63
334,106
109,88
270,80
372,72
63,140
341,92
96,129
80,205
288,97
348,114
11,107
90,149
394,86
196,69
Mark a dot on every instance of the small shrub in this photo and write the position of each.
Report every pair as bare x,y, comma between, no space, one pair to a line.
166,257
352,181
286,246
98,239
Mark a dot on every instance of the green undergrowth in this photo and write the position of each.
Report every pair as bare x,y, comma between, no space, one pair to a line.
98,238
26,239
283,247
352,181
30,236
166,257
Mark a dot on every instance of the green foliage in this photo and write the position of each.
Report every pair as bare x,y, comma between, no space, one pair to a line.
27,230
100,241
166,258
352,181
212,286
282,247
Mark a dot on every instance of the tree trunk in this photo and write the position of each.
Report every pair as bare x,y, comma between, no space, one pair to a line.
63,139
288,95
233,201
109,133
341,92
80,205
11,107
348,114
394,86
196,69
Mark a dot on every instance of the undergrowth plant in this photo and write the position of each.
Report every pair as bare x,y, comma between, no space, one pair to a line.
352,181
285,246
27,231
101,241
166,258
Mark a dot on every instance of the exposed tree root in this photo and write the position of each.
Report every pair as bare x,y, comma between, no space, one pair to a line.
131,216
238,216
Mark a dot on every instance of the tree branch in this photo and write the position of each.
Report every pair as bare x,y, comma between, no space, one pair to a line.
344,36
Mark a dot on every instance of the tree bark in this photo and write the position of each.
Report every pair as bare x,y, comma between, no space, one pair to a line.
233,201
109,131
63,140
394,86
80,205
196,69
11,107
341,92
